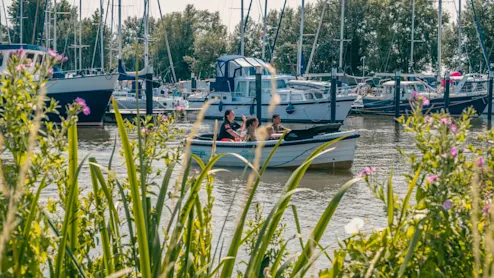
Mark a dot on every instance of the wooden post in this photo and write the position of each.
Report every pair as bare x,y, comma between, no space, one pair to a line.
397,94
259,94
446,91
333,95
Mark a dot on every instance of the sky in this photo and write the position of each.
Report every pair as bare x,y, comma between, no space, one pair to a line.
229,9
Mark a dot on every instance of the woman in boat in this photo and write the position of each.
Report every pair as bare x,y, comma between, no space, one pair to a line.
228,129
251,125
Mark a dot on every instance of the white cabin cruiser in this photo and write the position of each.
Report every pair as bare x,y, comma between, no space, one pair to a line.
235,88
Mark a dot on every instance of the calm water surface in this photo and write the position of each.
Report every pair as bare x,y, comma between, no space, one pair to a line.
377,147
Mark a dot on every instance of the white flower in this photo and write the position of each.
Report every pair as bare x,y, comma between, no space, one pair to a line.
354,226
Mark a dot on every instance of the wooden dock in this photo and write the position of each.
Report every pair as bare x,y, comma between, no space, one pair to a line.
132,113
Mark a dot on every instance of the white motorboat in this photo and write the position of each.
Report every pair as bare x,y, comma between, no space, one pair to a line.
235,88
292,152
126,99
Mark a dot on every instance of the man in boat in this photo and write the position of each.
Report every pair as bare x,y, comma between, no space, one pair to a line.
276,125
228,129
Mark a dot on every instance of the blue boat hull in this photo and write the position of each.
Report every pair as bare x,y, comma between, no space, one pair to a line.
97,101
457,105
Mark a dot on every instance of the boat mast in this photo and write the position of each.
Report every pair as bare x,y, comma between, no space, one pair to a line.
146,35
299,54
119,29
80,34
342,27
459,36
242,30
75,39
111,36
265,30
439,37
21,18
167,46
412,40
101,38
55,25
314,44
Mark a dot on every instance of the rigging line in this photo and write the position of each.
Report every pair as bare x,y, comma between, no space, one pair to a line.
96,42
480,35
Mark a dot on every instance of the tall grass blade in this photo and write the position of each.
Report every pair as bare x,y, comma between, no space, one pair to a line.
162,194
321,226
297,224
235,243
411,186
391,204
69,213
74,226
105,240
411,248
77,265
137,205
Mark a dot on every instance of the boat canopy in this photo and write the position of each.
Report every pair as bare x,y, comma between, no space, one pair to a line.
230,67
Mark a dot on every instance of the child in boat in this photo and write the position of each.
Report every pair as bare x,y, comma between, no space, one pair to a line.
251,125
228,129
276,125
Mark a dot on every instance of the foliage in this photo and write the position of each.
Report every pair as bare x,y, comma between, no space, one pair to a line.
446,230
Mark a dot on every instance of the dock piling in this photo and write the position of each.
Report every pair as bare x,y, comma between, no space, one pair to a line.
333,95
489,99
397,94
259,94
149,94
447,90
193,83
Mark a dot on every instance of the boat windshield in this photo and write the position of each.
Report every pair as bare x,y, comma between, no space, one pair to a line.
420,88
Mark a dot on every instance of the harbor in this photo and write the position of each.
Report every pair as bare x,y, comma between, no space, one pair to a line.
277,138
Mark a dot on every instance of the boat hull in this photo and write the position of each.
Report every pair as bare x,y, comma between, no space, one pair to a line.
294,112
457,105
290,154
95,90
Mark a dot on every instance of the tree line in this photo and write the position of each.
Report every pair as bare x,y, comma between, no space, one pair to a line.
377,35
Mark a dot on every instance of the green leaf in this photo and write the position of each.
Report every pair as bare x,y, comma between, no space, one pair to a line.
390,201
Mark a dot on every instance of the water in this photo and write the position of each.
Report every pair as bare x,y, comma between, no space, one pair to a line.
377,147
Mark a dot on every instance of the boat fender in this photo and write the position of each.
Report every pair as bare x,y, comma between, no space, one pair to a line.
290,109
220,106
252,109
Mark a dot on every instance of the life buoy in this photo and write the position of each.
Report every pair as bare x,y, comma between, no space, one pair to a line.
220,106
251,109
290,109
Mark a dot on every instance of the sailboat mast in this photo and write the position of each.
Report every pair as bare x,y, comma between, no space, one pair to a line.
75,38
146,34
119,29
439,37
459,35
342,30
412,40
111,36
55,25
299,54
101,38
21,18
314,44
80,35
265,30
242,29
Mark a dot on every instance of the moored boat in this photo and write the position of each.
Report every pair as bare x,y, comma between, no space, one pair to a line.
293,151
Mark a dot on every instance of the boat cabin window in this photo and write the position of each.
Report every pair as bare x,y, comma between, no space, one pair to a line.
420,87
296,97
241,87
318,95
283,97
309,96
30,56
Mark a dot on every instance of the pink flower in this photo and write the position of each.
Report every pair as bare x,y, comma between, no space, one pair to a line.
485,209
367,171
453,128
164,118
19,51
429,119
447,205
180,108
19,67
414,94
481,162
433,178
50,70
196,172
425,101
80,101
86,110
52,53
65,59
454,152
445,121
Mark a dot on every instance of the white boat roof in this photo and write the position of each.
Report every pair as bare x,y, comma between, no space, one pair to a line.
404,83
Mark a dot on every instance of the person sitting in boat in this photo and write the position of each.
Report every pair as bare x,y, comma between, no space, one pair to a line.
251,125
276,125
228,129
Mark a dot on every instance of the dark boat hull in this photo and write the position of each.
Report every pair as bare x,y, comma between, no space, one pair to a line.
97,101
457,105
